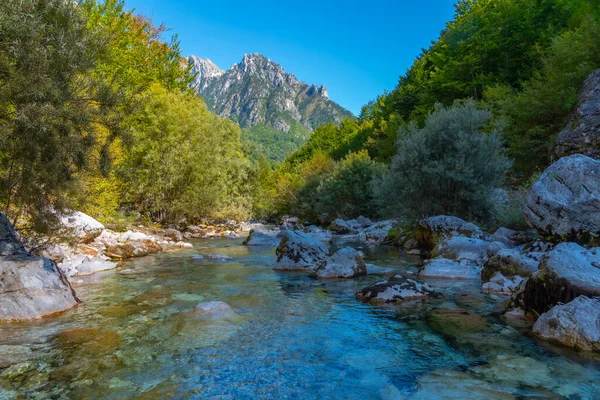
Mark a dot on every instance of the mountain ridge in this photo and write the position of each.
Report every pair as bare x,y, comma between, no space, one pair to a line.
258,91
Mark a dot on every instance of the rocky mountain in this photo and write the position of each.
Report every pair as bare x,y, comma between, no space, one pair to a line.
258,91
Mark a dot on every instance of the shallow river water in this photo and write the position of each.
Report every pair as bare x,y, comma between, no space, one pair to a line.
136,335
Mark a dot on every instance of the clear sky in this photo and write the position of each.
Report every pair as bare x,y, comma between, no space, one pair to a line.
356,48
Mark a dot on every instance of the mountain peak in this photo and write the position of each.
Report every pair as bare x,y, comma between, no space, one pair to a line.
205,70
259,91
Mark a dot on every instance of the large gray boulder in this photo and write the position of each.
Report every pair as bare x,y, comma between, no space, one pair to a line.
443,268
565,201
396,290
433,230
345,263
582,133
567,272
84,227
510,262
460,248
576,324
262,237
30,287
375,234
299,251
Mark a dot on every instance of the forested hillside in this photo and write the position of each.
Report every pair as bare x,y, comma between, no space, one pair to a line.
519,64
97,115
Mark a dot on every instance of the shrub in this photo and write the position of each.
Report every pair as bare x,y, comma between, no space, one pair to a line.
448,167
345,192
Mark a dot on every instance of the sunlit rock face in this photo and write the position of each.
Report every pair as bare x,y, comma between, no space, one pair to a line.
30,287
259,91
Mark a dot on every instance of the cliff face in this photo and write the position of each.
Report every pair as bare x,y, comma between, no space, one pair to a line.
258,91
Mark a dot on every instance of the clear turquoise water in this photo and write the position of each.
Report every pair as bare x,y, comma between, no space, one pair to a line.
137,336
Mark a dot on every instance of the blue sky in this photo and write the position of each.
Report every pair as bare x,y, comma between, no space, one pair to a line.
357,49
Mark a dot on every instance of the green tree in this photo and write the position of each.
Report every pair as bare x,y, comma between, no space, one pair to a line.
450,166
186,162
49,102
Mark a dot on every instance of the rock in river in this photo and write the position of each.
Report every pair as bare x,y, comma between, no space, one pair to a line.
396,290
30,287
431,231
345,263
215,309
443,268
576,324
567,272
299,251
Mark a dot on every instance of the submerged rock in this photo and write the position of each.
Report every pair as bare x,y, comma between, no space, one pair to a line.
576,324
517,370
396,290
215,309
567,272
450,384
443,268
300,251
455,321
565,201
433,230
219,257
345,263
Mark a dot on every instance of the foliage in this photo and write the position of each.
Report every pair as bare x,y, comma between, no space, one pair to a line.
49,103
346,191
448,167
264,140
186,161
539,111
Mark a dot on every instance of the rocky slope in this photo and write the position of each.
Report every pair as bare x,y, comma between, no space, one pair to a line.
259,91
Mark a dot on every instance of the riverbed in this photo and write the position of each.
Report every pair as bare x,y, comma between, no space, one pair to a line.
136,335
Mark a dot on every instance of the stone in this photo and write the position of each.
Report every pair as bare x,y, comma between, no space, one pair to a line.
121,251
510,238
262,238
92,265
431,231
345,263
582,133
461,248
131,236
84,227
455,322
219,257
376,234
576,324
300,251
32,287
364,221
396,290
510,262
450,384
567,272
215,309
517,370
443,268
54,252
174,234
502,284
565,201
341,227
10,242
10,355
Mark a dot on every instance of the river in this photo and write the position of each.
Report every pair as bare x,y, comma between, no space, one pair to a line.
136,335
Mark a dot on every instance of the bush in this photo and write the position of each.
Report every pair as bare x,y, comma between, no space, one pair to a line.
345,192
448,167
